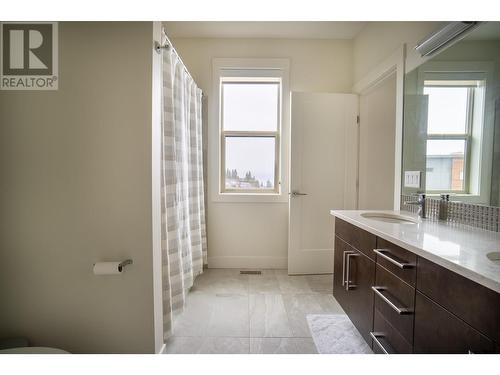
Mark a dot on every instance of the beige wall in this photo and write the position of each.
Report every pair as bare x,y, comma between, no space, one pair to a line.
378,40
255,234
75,188
315,65
373,45
377,110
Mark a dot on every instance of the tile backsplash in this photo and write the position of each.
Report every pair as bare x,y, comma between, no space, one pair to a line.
458,213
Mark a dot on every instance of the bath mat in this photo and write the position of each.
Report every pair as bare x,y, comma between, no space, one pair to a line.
335,334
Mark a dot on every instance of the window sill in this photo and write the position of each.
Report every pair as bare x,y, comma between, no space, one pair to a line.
451,194
460,197
456,195
230,197
248,193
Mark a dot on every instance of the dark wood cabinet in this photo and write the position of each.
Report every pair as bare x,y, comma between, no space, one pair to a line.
354,275
353,278
395,300
403,303
439,331
389,338
399,261
339,291
360,272
477,305
358,238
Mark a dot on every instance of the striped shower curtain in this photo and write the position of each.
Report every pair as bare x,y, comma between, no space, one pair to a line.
184,249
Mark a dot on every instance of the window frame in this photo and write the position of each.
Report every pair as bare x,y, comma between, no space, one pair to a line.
224,134
247,67
481,158
467,136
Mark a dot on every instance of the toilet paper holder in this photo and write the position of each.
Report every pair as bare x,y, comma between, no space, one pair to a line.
110,268
124,263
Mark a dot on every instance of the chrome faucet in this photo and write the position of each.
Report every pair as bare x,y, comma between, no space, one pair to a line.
420,202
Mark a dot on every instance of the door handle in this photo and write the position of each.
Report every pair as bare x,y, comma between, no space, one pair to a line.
343,265
383,253
375,337
347,276
296,193
400,310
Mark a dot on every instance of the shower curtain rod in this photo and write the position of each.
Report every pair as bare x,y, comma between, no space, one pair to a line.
168,45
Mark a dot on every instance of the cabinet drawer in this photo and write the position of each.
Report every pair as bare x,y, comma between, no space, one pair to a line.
356,237
439,331
360,272
388,337
399,261
394,300
475,304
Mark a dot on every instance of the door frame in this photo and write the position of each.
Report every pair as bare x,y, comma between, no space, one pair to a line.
394,64
156,144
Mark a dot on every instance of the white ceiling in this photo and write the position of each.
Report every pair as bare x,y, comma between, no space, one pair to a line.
285,29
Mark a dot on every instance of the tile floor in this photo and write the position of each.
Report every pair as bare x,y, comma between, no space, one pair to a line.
227,312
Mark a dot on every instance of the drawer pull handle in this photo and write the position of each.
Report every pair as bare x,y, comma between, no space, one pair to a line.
349,286
375,336
343,265
400,310
382,253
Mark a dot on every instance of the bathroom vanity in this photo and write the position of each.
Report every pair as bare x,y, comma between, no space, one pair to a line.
417,286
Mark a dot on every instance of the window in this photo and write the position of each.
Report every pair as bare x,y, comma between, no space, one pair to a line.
250,118
450,115
454,128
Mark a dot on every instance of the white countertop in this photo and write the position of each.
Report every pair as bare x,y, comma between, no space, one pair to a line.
460,249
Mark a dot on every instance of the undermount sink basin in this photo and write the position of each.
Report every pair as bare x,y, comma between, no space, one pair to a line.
494,256
389,217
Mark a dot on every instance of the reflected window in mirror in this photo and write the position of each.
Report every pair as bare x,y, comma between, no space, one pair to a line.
451,130
450,121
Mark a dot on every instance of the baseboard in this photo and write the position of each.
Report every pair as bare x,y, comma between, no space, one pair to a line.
163,349
248,262
310,262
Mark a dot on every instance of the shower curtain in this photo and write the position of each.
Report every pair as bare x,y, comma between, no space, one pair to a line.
184,249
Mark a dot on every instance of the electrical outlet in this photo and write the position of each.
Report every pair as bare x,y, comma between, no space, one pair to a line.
412,179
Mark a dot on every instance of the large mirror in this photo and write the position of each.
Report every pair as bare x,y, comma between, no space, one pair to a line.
451,133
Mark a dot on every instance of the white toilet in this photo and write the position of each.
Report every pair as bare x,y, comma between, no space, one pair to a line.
33,350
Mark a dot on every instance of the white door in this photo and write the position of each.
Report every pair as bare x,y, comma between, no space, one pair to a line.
323,172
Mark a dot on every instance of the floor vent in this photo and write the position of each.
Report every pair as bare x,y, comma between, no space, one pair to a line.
250,272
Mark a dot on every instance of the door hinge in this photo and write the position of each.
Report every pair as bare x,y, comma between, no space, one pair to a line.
357,119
